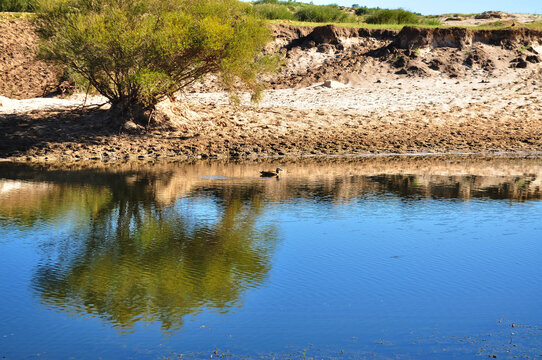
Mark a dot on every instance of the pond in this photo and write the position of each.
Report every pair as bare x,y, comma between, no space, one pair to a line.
377,257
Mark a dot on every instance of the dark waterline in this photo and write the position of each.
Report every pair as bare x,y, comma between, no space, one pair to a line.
410,258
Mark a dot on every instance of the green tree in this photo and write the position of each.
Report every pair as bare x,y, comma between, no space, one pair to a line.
136,52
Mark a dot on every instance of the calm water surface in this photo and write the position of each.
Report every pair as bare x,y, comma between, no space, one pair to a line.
377,258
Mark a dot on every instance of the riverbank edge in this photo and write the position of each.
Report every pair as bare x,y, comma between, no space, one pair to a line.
69,162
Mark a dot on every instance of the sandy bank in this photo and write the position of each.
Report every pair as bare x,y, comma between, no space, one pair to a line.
403,115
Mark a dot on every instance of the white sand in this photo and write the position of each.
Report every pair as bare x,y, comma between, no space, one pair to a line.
400,94
13,106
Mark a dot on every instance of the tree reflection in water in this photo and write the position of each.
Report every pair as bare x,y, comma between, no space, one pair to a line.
140,260
138,253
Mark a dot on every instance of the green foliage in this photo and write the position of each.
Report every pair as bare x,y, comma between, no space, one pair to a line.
396,16
362,10
291,10
18,5
135,52
327,13
431,21
525,48
273,11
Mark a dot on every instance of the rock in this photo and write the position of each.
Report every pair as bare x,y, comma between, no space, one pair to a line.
480,57
436,64
491,15
518,63
455,18
327,34
66,87
418,70
533,59
402,61
324,48
333,84
132,127
309,44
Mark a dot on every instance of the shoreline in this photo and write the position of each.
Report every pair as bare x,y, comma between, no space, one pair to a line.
443,117
451,156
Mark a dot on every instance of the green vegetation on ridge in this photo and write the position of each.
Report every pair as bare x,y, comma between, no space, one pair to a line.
290,10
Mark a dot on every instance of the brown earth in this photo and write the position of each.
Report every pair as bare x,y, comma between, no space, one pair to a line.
220,131
351,55
385,71
22,75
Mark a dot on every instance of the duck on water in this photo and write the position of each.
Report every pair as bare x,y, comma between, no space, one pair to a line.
270,173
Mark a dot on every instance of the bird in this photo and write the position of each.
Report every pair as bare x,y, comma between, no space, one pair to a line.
270,173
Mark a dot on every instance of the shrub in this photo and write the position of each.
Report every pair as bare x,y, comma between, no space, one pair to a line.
322,13
136,52
18,5
363,10
396,16
273,11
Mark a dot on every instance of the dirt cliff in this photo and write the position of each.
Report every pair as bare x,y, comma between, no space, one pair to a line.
352,55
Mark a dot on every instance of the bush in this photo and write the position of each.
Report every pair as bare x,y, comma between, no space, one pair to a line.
322,13
273,11
136,52
397,16
18,5
363,10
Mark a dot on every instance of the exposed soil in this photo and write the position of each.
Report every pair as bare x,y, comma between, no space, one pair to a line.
352,55
22,75
413,91
489,118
